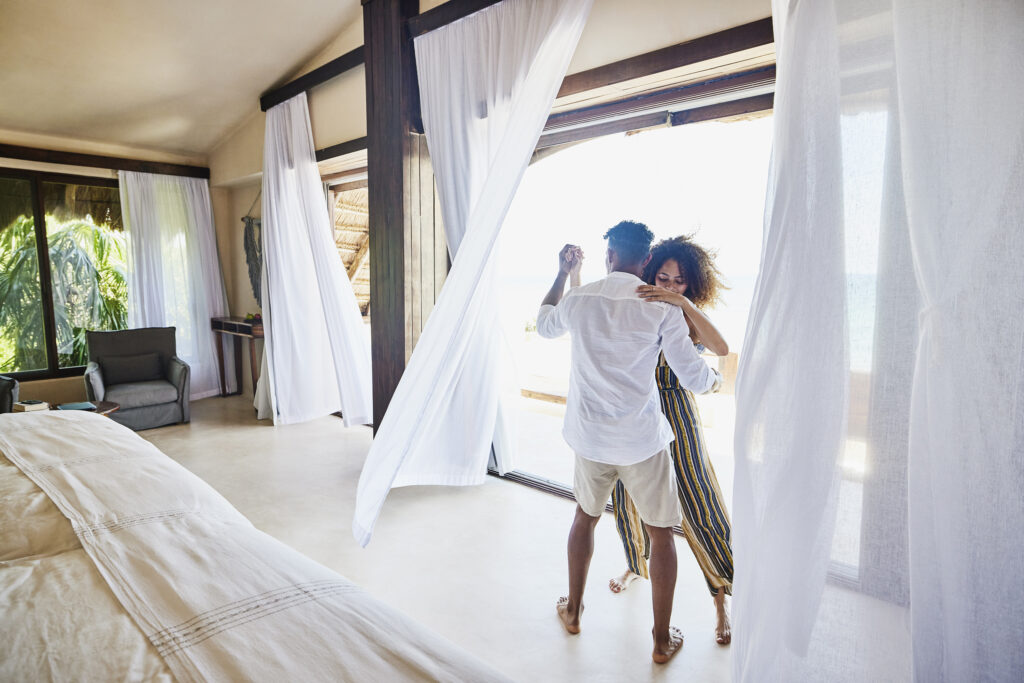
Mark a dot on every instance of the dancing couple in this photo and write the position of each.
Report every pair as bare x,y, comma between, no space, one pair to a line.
632,420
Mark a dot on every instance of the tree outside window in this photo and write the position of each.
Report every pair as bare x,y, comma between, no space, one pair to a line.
83,238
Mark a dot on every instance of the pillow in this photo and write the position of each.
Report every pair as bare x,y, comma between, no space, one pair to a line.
139,368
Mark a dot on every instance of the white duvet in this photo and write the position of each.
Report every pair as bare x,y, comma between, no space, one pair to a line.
118,564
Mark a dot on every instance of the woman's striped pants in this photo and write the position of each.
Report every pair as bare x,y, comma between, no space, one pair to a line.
705,522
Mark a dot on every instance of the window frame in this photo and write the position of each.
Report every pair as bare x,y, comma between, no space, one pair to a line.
36,179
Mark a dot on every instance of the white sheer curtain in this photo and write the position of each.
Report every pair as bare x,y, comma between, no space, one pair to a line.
487,83
880,405
317,359
174,276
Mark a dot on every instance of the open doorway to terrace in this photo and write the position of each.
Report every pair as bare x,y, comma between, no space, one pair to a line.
707,180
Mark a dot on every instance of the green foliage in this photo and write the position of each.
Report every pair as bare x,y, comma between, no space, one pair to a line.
87,268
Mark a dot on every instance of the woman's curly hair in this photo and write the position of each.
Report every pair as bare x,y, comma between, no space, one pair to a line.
704,284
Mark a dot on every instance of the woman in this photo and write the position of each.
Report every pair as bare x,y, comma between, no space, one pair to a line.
683,274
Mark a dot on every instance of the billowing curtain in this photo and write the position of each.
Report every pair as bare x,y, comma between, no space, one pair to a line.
880,403
487,83
174,276
317,359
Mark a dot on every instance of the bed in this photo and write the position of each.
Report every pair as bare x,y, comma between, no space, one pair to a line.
116,563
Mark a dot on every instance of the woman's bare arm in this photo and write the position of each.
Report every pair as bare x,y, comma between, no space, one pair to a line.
576,261
701,328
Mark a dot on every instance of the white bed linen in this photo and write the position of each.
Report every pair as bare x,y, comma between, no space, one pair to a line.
215,598
58,619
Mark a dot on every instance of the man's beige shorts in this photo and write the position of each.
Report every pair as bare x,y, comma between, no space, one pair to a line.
650,483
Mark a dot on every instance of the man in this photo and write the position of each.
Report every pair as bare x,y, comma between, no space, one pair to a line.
613,418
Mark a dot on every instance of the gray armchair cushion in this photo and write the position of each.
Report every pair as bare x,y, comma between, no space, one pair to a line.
138,394
180,375
8,393
128,342
94,389
142,367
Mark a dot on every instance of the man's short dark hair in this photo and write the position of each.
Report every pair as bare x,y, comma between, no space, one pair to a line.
630,240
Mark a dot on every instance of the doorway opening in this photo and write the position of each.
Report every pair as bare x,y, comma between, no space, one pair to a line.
707,180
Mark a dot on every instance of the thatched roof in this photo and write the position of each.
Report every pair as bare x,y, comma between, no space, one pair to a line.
352,237
65,201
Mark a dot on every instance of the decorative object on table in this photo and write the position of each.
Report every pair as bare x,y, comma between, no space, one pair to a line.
29,406
253,245
256,320
79,405
8,393
139,370
250,327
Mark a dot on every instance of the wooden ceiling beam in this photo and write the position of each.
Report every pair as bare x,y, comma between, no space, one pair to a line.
362,255
341,149
711,46
444,14
317,76
664,99
51,156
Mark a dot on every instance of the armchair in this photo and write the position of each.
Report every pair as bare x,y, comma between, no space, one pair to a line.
139,369
8,393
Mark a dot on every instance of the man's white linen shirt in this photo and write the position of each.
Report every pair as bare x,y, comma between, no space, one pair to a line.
613,412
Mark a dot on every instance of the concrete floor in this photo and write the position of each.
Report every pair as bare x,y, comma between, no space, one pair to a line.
481,565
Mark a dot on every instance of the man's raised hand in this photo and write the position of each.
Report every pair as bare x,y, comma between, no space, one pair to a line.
567,258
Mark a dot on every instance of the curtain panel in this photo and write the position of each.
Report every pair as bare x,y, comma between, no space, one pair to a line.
317,349
880,401
174,276
487,83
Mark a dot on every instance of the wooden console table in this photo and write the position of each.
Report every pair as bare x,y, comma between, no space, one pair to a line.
238,328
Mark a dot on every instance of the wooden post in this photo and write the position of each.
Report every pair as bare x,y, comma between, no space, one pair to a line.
391,93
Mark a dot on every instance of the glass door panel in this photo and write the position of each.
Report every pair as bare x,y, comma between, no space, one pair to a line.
22,332
88,262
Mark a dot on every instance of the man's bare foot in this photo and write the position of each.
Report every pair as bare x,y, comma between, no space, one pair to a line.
723,627
665,651
621,583
571,621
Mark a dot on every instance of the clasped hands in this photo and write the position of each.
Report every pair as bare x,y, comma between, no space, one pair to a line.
570,259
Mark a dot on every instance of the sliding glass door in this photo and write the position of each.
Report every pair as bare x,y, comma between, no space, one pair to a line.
22,318
62,269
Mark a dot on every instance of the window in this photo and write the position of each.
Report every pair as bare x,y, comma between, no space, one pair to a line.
63,263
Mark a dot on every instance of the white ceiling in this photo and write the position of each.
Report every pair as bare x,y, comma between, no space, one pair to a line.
175,76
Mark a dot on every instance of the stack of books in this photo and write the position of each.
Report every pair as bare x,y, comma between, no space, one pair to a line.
30,405
81,405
